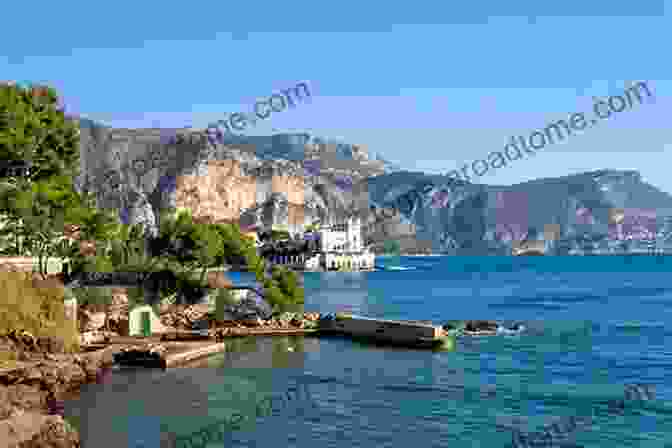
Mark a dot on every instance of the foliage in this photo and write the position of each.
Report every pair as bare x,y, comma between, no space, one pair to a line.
183,248
239,249
40,311
33,128
392,247
35,210
126,249
135,297
225,296
36,214
277,235
91,295
281,290
100,225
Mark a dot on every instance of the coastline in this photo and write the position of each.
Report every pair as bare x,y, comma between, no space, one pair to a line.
33,389
411,255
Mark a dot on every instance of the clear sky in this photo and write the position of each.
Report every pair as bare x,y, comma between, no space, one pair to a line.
429,85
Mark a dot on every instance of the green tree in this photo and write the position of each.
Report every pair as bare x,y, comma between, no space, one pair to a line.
34,128
277,235
35,208
36,214
281,289
126,250
392,247
186,250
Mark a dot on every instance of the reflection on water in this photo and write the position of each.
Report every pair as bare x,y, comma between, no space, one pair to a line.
181,400
270,351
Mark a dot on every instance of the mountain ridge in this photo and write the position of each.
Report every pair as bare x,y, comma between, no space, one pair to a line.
296,179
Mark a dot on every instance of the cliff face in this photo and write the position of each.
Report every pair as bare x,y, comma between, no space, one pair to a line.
219,194
589,212
290,180
142,171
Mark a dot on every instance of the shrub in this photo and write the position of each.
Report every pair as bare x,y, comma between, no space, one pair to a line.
281,290
392,247
33,127
34,130
277,235
92,295
36,309
226,296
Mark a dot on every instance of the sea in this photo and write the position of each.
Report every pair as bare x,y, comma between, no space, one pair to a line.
594,327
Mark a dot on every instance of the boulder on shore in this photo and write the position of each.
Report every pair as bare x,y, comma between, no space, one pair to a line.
35,430
480,325
23,344
32,391
248,308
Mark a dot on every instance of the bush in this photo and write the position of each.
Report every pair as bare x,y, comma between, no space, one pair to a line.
226,296
281,290
38,310
277,235
392,247
33,127
92,295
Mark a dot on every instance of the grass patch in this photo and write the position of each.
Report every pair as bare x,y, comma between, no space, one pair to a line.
37,310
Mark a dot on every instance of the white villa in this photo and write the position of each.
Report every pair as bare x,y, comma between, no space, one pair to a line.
341,248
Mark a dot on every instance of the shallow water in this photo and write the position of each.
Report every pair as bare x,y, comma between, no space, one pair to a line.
593,324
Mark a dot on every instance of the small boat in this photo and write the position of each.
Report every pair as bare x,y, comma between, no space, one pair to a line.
406,333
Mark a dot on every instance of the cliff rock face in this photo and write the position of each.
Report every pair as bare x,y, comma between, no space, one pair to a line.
142,171
290,180
219,194
605,211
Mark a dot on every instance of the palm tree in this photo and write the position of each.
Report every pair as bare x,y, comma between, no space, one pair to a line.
14,242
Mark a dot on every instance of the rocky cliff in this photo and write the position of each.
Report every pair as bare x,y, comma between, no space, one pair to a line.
286,180
601,211
290,180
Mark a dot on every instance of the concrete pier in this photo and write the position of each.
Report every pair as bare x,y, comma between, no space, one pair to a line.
398,332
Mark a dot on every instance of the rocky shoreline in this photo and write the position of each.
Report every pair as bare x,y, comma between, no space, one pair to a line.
34,387
32,391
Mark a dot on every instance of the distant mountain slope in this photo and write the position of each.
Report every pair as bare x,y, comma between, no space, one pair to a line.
295,179
480,219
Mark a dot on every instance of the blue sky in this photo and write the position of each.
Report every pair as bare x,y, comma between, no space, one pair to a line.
429,86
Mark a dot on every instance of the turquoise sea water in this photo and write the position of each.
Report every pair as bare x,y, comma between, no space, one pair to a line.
594,325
